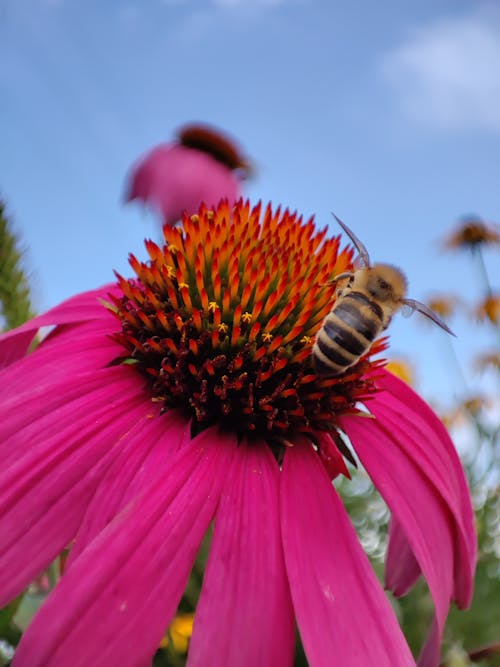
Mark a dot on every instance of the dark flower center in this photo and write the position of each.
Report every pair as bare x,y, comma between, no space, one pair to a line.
221,319
212,142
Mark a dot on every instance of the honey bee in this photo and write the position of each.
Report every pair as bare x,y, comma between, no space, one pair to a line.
362,310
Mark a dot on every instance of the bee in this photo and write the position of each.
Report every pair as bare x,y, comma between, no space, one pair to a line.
363,309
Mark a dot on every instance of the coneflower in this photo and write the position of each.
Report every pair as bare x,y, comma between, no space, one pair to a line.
202,164
186,396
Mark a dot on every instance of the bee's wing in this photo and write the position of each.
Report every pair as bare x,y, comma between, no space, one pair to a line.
407,310
410,305
360,247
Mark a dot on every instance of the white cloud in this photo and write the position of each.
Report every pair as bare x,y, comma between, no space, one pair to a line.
212,14
447,74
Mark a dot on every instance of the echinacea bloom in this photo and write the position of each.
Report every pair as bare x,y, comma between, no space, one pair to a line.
186,395
202,165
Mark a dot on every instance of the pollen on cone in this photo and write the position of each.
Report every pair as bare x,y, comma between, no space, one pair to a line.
223,308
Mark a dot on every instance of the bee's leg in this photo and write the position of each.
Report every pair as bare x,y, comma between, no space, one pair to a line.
335,279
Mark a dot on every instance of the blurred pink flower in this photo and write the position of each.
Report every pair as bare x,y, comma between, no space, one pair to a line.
190,398
204,165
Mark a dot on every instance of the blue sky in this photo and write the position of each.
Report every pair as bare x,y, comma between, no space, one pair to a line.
387,113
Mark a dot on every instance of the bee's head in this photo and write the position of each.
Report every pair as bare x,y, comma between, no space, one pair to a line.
385,283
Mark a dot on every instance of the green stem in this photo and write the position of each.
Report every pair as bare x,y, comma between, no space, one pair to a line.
457,366
482,269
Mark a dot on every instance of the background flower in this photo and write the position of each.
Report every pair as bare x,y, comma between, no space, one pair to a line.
202,165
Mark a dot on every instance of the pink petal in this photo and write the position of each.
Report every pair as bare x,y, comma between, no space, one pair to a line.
68,351
175,179
429,655
113,605
44,384
46,409
86,306
135,467
437,478
427,442
401,567
244,616
343,614
416,505
439,437
14,348
330,456
45,489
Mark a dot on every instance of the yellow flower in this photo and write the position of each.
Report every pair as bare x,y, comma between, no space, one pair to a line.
474,405
473,232
468,409
179,633
489,309
401,369
443,305
488,360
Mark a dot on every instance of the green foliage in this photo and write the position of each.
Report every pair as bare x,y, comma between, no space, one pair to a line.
15,302
480,625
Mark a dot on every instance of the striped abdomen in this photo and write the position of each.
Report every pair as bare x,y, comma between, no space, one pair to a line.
347,333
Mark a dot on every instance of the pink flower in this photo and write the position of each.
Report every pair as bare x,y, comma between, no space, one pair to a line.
202,166
191,398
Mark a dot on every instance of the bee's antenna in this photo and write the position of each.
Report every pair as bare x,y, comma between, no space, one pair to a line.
425,310
360,247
